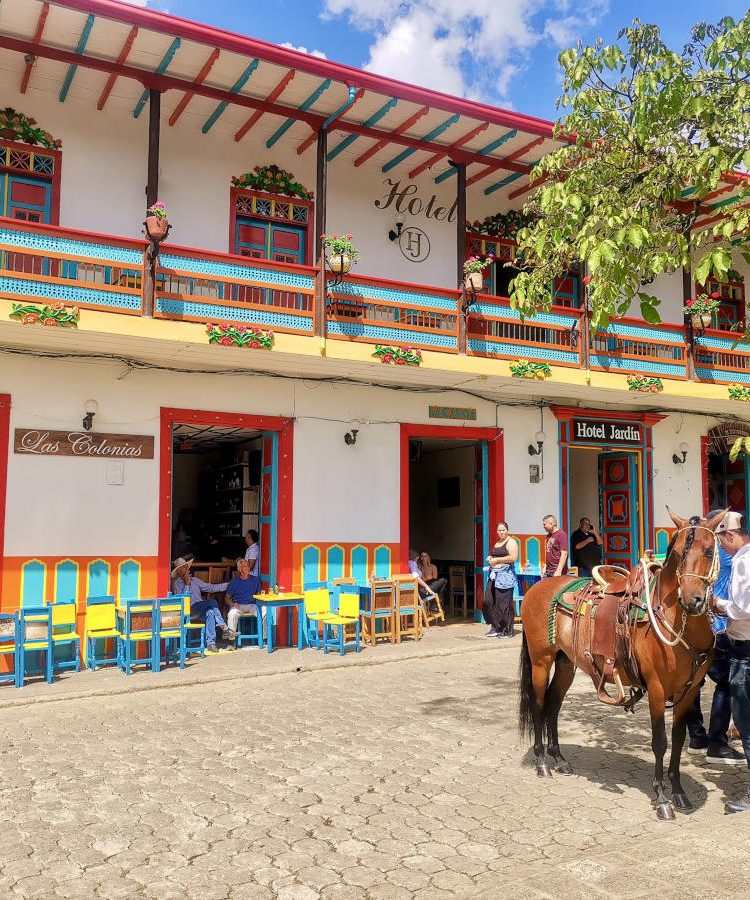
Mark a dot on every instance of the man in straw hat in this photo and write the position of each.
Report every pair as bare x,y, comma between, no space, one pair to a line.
183,582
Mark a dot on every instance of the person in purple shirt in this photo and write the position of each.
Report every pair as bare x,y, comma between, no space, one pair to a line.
183,582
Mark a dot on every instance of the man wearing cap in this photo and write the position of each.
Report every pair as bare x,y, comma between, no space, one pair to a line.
733,537
183,582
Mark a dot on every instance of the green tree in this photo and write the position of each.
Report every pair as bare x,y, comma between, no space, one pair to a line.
650,132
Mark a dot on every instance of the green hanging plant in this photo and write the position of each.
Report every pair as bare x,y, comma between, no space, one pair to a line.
502,225
739,392
273,180
15,126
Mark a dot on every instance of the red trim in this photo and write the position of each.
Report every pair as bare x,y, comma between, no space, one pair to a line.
310,139
451,432
526,187
565,413
38,32
123,55
493,167
303,226
199,79
704,473
273,96
399,129
4,449
292,59
169,416
454,146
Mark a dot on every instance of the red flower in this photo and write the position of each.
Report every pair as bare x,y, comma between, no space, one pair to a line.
587,279
52,322
400,361
240,328
387,357
226,341
690,302
269,333
715,295
255,344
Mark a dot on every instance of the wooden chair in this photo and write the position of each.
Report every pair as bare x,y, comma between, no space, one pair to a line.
380,610
432,615
407,607
457,587
337,581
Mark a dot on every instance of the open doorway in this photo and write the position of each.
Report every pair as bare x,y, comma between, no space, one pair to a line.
728,482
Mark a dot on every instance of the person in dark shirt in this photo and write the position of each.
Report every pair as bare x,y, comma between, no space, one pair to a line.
585,548
556,558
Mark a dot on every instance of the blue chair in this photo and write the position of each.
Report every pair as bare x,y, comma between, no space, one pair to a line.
35,635
64,634
100,625
9,640
171,629
193,630
254,638
132,617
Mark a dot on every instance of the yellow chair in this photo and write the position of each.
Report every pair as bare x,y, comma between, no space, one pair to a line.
317,607
64,633
348,614
100,624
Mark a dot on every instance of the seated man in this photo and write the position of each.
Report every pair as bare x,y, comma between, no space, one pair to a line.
242,588
206,610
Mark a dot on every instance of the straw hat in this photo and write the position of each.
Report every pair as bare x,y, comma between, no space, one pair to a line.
178,564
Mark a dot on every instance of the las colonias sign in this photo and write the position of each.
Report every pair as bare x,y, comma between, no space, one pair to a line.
34,442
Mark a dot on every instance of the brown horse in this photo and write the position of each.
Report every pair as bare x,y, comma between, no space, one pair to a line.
668,673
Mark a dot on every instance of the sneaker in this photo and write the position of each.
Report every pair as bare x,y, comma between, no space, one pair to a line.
505,637
492,633
725,756
736,806
229,634
698,744
212,648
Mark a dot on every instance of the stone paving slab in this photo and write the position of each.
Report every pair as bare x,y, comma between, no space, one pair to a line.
399,780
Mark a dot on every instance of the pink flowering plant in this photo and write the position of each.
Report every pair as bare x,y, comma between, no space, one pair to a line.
157,209
477,264
702,304
399,356
340,245
228,334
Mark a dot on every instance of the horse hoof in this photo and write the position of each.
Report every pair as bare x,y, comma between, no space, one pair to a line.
543,770
564,768
665,812
681,803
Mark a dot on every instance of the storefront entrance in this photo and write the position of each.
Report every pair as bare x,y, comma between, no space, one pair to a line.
222,475
606,476
726,483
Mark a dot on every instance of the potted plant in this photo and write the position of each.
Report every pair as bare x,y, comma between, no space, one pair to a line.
341,252
701,308
473,272
157,222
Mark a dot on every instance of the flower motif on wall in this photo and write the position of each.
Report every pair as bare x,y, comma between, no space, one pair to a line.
231,335
58,315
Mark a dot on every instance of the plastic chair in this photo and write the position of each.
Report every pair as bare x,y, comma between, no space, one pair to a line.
64,634
317,607
380,611
407,608
9,645
35,619
131,616
457,588
171,617
348,614
100,624
193,629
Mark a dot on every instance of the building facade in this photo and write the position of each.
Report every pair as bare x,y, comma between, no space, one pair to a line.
326,437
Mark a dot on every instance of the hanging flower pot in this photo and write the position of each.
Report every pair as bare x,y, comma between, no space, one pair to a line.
702,321
474,281
340,263
157,222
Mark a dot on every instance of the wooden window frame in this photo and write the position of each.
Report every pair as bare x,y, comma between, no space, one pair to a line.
237,194
53,179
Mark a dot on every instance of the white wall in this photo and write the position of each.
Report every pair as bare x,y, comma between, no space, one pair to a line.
678,486
583,466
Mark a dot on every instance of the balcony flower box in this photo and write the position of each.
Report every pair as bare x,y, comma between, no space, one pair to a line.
157,222
341,252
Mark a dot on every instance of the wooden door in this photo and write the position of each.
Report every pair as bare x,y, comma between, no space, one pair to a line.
737,479
481,518
259,239
267,519
618,492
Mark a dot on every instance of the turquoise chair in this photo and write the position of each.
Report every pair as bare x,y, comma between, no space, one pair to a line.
64,634
35,636
133,634
171,629
252,637
9,634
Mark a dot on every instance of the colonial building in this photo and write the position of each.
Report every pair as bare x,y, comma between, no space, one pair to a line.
168,396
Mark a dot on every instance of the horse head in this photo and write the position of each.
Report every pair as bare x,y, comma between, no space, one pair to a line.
696,552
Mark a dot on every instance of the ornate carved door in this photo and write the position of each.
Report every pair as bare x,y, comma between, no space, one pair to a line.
618,492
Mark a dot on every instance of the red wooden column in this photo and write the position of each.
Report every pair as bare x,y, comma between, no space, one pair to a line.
321,189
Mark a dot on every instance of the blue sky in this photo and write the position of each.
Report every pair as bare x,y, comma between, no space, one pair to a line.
500,51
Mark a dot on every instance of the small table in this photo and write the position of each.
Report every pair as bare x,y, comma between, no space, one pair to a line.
270,603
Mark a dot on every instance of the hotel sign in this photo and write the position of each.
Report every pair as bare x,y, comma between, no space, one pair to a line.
35,442
607,432
453,412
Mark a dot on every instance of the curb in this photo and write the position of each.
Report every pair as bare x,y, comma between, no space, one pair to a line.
345,663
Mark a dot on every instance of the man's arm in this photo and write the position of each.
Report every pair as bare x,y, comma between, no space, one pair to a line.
738,604
210,588
585,542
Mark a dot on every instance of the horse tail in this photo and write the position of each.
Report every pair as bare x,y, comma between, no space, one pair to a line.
526,698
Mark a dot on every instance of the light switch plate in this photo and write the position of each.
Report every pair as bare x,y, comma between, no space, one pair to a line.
115,471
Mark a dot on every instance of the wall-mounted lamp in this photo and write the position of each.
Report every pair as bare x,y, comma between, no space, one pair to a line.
350,437
395,233
539,437
91,408
680,460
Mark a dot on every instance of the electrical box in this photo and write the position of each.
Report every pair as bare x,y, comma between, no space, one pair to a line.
115,471
534,474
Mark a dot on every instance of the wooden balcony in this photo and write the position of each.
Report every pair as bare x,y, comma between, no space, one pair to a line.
45,264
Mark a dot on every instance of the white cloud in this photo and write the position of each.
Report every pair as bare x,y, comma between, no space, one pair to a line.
138,2
471,48
318,53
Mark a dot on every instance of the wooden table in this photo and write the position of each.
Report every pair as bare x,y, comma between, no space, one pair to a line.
270,603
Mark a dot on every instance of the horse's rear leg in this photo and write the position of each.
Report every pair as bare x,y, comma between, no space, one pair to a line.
539,679
559,686
664,809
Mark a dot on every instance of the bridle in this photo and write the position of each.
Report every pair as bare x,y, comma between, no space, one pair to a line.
709,580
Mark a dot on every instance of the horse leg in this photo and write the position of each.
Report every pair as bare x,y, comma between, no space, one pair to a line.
664,809
539,680
533,677
558,688
679,727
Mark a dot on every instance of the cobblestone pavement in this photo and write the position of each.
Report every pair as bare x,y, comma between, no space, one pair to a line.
399,780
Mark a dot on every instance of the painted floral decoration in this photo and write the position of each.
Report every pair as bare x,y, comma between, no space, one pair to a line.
702,304
231,335
644,384
57,315
15,126
739,392
526,369
340,245
399,356
273,180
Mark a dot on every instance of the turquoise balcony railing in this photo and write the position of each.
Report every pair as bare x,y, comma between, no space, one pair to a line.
632,347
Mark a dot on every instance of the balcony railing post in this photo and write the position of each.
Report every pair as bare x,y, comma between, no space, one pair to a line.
585,325
321,189
687,293
148,284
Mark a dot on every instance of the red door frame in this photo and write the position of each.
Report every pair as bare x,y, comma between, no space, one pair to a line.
285,428
496,479
4,451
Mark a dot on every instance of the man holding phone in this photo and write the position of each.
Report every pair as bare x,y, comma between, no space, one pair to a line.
586,547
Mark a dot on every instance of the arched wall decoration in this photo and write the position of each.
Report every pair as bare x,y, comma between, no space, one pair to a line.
724,434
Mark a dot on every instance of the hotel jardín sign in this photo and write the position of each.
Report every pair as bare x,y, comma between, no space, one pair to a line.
588,431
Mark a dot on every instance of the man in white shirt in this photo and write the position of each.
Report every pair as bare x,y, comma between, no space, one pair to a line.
733,537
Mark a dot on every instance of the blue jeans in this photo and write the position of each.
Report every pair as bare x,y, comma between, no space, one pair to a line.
721,709
739,688
208,610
